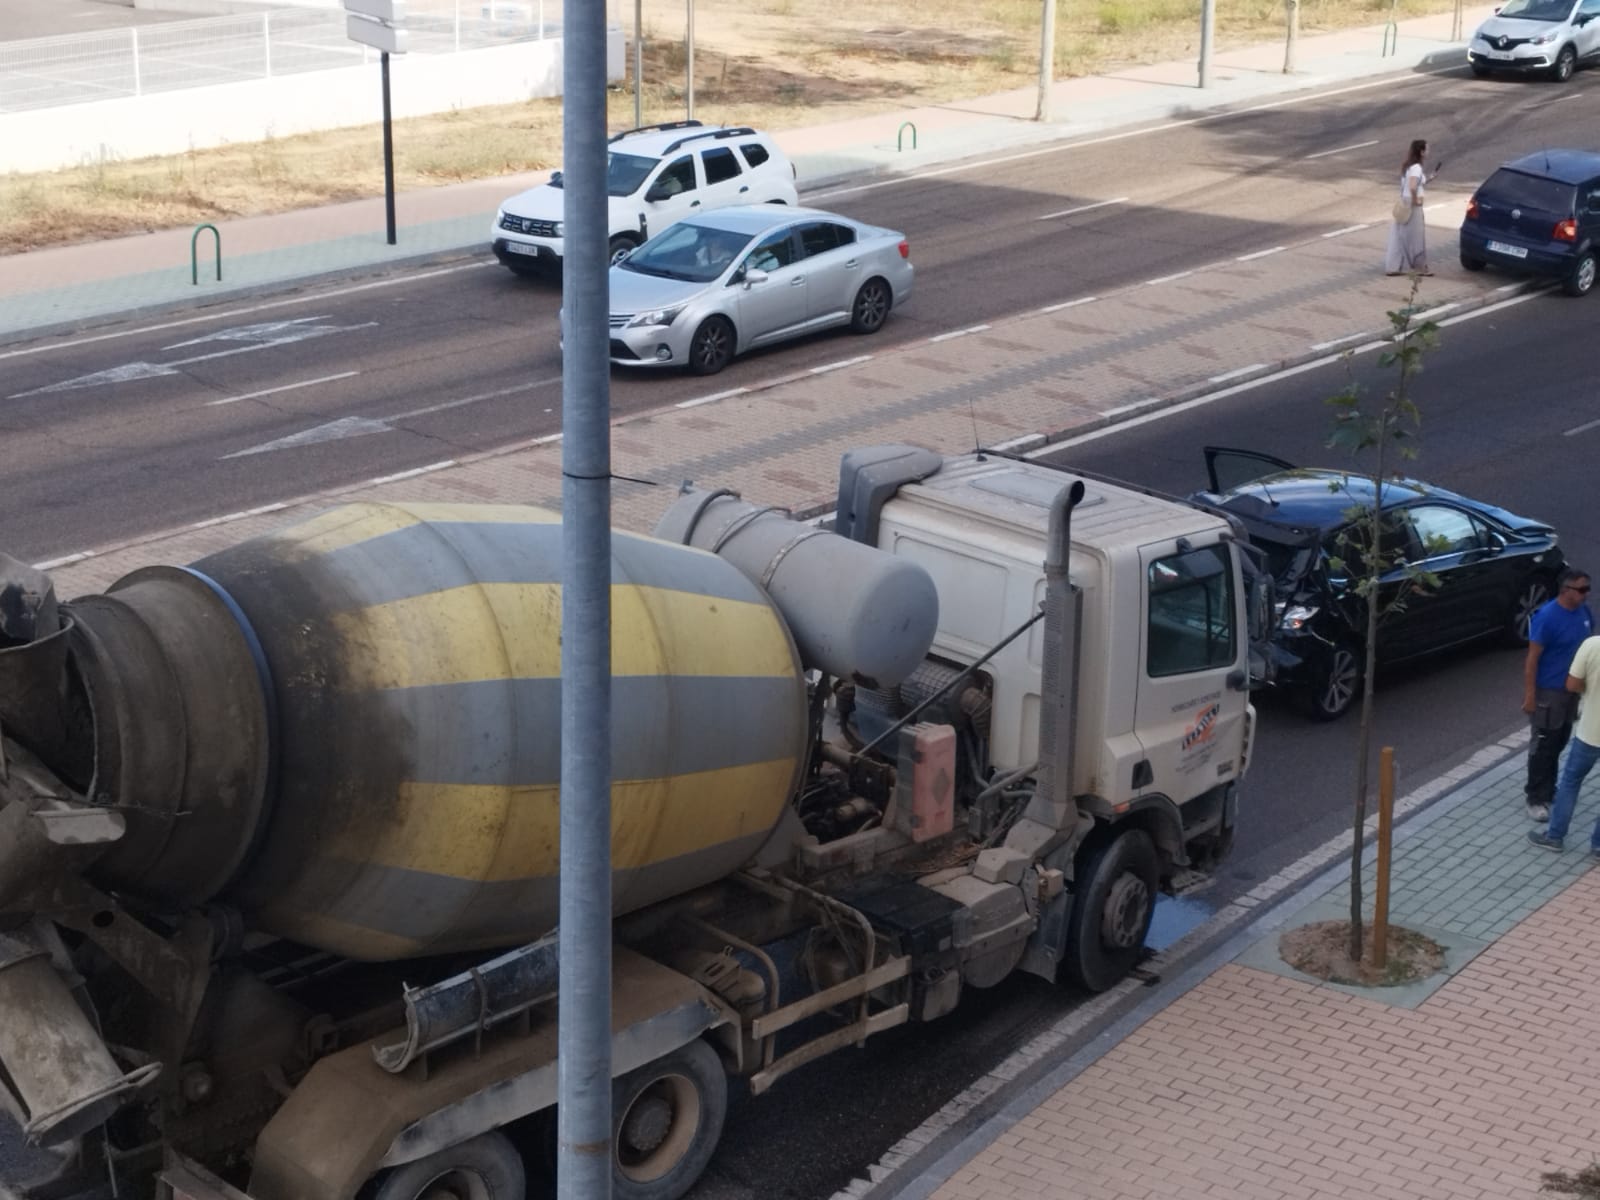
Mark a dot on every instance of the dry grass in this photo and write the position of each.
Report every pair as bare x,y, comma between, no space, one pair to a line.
854,60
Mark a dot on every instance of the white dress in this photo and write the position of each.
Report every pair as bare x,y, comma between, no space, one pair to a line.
1408,248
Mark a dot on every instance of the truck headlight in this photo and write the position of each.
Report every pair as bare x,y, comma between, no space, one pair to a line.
1296,617
656,316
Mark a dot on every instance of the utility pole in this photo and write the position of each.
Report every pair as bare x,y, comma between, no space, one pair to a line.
583,1124
638,63
1047,60
1208,21
689,62
1294,36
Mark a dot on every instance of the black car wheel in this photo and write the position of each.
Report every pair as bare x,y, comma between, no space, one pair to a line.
1113,901
712,346
1566,63
620,247
1335,682
1472,264
871,308
1581,281
1530,597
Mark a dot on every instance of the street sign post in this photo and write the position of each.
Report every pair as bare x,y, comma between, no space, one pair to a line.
380,24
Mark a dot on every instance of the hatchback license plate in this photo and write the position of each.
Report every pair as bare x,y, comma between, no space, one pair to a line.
1513,251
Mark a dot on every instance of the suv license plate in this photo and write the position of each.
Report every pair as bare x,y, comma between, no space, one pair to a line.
519,248
1513,251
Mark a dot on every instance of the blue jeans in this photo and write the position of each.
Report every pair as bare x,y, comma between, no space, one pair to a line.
1581,757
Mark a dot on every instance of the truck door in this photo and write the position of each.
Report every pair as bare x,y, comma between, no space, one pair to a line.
1193,669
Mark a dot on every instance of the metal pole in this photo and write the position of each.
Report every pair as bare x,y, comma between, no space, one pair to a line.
1047,60
1455,22
458,25
1208,21
266,42
638,63
689,61
1292,40
136,85
388,153
583,1133
1380,902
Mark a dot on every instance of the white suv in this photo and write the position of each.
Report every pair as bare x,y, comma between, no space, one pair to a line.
655,177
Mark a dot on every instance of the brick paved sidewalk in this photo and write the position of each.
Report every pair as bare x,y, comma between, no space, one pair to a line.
1262,1083
1052,373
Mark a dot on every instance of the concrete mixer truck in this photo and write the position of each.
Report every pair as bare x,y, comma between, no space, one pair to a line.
278,861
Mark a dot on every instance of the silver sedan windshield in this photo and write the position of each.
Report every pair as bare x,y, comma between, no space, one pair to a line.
697,253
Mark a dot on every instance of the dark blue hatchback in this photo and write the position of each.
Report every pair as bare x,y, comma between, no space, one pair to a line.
1539,215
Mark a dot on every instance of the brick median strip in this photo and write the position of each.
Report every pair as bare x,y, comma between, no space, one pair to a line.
1030,380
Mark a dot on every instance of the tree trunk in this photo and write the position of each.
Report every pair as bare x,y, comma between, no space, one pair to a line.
1374,567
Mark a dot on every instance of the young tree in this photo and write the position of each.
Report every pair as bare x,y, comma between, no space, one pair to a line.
1380,435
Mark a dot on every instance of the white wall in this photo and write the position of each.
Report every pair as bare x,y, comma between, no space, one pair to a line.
253,110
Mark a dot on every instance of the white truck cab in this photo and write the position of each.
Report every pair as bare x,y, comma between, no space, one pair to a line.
1161,700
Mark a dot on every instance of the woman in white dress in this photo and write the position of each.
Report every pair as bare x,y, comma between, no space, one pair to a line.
1408,246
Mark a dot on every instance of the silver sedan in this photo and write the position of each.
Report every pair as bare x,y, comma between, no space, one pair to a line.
716,285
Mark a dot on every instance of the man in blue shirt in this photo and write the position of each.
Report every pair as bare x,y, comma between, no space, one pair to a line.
1554,635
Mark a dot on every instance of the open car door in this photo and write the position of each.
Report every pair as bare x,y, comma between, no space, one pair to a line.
1228,468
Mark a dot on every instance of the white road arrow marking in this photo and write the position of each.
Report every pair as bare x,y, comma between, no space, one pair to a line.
255,337
333,431
274,332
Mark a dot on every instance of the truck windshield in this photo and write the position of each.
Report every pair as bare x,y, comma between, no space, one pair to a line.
1192,613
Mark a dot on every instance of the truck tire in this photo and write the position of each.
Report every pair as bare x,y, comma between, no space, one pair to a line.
666,1120
1111,911
486,1167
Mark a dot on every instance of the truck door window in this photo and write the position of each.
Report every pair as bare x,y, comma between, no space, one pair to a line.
1191,613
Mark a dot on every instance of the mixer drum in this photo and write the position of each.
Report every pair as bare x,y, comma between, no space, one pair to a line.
414,659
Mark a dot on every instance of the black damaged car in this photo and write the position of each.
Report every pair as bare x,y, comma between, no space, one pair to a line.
1493,567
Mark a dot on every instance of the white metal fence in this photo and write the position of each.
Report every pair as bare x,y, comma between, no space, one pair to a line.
116,64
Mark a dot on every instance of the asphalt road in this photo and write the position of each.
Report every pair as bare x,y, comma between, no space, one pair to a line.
89,464
110,439
1493,429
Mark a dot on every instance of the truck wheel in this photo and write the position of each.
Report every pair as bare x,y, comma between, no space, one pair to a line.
487,1167
1111,911
666,1120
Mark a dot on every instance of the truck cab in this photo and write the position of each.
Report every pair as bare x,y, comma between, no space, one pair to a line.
1161,711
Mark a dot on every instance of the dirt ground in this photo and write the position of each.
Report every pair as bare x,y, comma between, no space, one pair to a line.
1322,949
773,64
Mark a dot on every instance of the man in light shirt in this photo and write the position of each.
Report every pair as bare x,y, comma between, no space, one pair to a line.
1583,751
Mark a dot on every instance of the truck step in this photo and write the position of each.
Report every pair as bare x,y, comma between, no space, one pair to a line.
1186,882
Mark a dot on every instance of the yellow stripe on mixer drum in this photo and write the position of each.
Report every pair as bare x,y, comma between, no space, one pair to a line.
352,524
510,631
492,834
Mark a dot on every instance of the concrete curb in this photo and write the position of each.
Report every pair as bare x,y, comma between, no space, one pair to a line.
269,289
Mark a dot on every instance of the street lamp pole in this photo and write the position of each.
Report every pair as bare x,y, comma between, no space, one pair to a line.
1047,60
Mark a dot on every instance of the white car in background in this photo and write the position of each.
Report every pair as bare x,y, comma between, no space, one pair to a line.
1546,37
718,284
655,177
